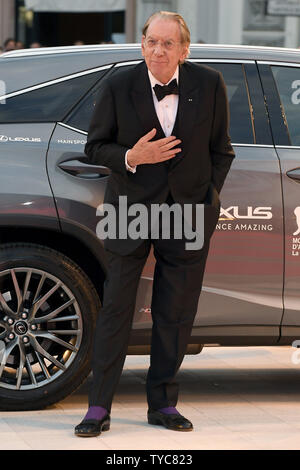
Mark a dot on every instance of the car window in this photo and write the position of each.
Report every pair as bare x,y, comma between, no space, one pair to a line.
22,72
288,84
81,116
240,120
50,103
241,129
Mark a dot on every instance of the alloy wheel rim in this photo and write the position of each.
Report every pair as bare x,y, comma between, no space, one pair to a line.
40,328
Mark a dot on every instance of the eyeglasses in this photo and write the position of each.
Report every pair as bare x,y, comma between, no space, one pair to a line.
167,45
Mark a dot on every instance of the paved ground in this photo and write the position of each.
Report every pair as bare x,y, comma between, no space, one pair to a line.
237,398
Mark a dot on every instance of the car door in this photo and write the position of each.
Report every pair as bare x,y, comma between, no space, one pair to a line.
243,282
242,288
26,125
246,248
285,120
79,188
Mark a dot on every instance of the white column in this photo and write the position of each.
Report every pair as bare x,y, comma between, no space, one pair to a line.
205,25
7,20
146,8
214,21
291,31
188,9
230,22
130,20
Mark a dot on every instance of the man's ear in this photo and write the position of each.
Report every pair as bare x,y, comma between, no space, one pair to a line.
185,54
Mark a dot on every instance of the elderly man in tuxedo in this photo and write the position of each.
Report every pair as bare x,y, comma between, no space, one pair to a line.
162,129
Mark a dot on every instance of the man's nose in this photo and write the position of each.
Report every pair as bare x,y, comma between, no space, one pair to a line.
158,49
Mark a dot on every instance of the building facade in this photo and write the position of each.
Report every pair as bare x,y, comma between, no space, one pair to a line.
92,21
228,21
7,20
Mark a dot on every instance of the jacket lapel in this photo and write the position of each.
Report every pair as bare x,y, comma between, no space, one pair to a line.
143,101
188,110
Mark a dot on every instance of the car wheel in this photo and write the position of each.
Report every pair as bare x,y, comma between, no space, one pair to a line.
48,309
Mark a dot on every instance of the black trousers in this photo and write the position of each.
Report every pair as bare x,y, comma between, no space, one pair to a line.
177,284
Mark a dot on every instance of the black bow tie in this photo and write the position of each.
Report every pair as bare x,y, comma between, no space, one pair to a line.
162,91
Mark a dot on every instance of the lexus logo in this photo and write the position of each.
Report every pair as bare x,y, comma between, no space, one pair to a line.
21,328
4,138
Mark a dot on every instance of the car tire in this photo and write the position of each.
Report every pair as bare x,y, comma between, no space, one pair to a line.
48,310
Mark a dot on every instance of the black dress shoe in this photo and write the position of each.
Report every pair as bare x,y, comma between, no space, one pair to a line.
170,421
92,427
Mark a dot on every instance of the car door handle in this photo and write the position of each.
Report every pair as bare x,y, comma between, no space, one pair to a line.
294,174
80,167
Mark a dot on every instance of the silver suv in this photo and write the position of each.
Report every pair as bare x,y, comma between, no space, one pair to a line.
53,265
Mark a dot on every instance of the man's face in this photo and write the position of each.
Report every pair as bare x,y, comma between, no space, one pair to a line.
162,48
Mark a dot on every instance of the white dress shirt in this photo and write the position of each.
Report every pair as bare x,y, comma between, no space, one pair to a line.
166,109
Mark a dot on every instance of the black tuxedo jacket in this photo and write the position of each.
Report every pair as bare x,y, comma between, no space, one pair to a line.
124,112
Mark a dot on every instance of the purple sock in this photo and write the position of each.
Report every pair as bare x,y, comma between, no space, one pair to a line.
96,412
170,410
